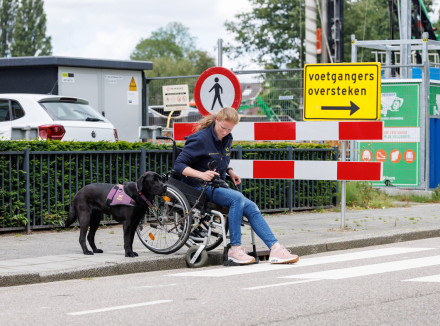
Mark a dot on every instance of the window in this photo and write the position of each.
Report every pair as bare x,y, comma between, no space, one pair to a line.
71,111
4,110
17,111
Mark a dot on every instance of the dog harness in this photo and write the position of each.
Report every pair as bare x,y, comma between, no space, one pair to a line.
118,196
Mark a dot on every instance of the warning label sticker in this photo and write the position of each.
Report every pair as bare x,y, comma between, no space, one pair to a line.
132,87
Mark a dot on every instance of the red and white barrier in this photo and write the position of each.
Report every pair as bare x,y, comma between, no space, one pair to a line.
288,131
306,131
308,170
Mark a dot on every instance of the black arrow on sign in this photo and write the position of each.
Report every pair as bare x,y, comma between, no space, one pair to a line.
353,108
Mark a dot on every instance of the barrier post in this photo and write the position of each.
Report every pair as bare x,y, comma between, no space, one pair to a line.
343,184
27,194
290,187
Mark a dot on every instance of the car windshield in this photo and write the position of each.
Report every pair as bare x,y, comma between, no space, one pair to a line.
71,111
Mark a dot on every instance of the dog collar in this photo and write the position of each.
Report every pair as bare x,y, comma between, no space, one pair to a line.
145,199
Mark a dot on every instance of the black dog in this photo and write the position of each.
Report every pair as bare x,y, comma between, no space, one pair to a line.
91,202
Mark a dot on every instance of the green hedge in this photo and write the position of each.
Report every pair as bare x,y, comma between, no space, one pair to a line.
54,180
56,145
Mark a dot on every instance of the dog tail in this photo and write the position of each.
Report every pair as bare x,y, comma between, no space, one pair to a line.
71,218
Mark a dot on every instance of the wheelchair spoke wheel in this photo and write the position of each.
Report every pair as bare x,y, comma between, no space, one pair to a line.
166,228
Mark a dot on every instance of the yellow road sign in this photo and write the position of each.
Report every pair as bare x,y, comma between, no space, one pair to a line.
339,91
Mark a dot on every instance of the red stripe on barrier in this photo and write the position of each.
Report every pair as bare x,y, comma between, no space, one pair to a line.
274,169
364,171
182,130
275,130
361,130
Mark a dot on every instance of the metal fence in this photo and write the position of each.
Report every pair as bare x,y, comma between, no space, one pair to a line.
36,188
267,95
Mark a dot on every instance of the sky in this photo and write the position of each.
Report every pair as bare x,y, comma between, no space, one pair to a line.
110,29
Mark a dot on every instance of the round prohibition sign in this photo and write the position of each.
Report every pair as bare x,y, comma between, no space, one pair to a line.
216,88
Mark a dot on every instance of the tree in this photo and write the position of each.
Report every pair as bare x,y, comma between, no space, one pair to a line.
367,20
172,51
29,37
273,30
7,22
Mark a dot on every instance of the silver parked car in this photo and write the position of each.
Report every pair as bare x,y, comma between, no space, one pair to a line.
30,116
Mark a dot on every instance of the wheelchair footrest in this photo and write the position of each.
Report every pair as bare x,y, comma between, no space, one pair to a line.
261,254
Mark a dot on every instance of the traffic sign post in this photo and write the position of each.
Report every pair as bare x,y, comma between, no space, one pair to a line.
216,88
342,91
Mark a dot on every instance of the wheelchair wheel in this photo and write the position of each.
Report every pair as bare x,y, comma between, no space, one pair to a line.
165,229
201,231
200,261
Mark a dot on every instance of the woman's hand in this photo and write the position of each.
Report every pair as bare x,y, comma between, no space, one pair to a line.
208,175
234,177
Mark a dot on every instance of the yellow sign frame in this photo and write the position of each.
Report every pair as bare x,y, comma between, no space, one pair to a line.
342,91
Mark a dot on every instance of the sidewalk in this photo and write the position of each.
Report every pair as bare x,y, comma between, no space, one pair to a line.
46,256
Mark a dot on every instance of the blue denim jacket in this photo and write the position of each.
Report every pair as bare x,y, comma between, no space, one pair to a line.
203,147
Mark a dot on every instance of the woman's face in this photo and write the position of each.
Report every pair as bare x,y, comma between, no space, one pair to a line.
223,128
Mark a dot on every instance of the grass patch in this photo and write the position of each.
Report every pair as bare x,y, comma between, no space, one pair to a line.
435,198
361,194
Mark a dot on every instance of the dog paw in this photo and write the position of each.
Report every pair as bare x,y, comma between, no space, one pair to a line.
131,254
88,253
98,251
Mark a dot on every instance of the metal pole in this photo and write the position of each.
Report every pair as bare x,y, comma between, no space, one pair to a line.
353,49
388,63
147,109
324,28
311,31
424,114
290,187
343,185
27,194
143,162
405,49
219,53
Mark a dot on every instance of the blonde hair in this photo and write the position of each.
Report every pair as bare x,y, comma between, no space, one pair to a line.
225,114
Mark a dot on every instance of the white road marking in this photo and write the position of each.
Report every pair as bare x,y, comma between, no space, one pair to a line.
430,278
158,285
279,284
265,267
142,304
342,273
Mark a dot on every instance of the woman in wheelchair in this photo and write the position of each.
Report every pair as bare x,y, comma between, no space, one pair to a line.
211,143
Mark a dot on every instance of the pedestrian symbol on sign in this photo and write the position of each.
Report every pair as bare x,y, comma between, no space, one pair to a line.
217,89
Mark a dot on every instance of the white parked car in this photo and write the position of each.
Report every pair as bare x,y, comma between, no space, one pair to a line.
30,116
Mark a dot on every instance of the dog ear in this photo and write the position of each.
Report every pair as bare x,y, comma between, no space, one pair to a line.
140,181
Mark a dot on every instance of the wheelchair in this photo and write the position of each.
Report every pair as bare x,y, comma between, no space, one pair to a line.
185,216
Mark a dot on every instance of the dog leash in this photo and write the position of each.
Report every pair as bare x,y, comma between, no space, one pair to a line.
145,199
